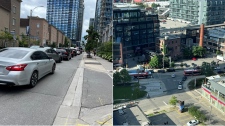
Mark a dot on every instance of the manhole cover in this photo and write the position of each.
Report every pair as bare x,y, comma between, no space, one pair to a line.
92,63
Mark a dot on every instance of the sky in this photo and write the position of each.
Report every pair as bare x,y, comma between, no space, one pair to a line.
27,5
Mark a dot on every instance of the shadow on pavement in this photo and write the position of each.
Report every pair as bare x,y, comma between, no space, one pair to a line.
161,119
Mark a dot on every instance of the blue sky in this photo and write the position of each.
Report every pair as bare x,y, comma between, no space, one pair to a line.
27,5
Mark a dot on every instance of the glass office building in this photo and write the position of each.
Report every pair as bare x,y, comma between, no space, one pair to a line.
134,30
63,14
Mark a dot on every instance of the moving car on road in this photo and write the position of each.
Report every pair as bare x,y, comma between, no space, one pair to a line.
192,122
180,87
173,75
64,54
184,78
24,66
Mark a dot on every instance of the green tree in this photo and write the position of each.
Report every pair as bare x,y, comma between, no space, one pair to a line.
206,69
181,64
198,51
218,52
125,77
187,52
155,5
66,42
5,37
92,39
173,101
172,64
116,78
24,41
154,63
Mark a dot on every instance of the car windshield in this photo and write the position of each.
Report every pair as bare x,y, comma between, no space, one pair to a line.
13,53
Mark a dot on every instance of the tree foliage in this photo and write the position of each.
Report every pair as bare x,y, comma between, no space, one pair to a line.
172,64
121,77
194,111
5,36
66,42
187,52
91,38
125,77
154,63
116,78
155,5
24,41
198,51
206,69
173,101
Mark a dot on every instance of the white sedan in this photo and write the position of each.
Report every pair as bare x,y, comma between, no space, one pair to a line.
217,68
192,122
180,87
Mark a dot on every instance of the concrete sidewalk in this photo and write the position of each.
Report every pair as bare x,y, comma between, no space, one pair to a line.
70,111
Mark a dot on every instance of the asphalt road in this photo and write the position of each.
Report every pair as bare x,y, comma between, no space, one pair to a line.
171,84
39,105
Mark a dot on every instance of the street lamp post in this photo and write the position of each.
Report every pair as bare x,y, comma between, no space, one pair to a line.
31,11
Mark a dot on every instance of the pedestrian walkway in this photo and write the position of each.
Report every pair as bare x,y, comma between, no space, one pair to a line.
71,111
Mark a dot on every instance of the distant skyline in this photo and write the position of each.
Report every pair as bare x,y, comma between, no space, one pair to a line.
27,5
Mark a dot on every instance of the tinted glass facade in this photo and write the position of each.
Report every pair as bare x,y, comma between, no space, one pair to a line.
135,30
63,14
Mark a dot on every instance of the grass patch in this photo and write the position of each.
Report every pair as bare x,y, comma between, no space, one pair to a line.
191,84
126,92
157,113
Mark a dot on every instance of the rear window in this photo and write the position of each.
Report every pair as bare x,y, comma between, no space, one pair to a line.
13,53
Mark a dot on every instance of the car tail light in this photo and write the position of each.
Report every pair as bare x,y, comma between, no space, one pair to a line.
19,67
66,53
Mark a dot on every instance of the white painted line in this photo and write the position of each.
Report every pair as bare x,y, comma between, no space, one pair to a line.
165,103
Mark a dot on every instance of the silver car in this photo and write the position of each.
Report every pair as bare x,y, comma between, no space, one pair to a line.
24,66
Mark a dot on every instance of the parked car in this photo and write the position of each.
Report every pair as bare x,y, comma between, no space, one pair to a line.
24,66
217,68
69,51
192,122
170,70
173,75
184,78
180,87
51,53
121,112
64,54
78,52
220,72
74,52
161,71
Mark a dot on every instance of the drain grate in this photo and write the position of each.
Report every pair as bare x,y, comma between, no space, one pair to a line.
93,63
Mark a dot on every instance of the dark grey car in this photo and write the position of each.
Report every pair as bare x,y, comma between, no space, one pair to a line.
51,53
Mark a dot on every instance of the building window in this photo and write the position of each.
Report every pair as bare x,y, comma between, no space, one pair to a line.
175,47
14,21
172,42
38,25
14,9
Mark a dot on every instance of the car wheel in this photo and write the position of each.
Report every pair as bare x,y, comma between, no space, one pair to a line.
53,69
33,79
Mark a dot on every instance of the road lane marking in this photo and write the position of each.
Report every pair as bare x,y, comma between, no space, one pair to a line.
165,103
100,100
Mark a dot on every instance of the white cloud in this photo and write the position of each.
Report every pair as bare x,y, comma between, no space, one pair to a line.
27,5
